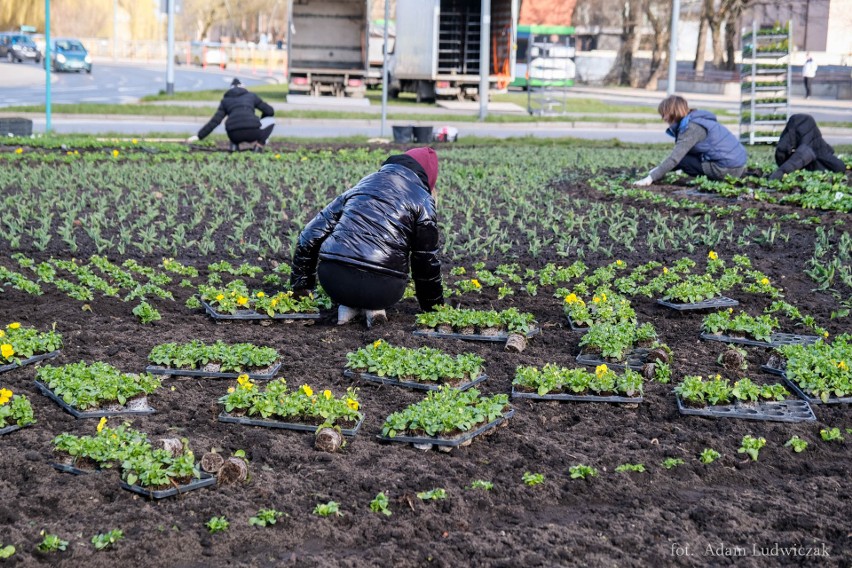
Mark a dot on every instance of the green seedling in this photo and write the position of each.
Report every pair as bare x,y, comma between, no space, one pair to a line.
108,539
380,504
481,484
533,479
217,524
432,495
6,551
709,455
752,446
327,509
581,471
52,543
671,463
797,444
630,467
831,435
265,517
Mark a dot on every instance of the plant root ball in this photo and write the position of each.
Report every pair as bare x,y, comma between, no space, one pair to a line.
172,445
658,354
732,360
516,343
211,462
649,371
233,471
328,440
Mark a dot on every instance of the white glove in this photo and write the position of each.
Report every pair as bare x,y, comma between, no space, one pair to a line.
644,182
192,139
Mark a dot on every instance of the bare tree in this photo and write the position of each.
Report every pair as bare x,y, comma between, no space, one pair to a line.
631,20
659,14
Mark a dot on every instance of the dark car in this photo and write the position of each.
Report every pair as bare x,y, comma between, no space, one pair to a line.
69,55
18,47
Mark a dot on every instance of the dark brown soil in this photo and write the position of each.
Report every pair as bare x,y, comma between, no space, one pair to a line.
614,519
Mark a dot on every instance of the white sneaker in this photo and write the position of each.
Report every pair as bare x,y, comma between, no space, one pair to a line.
345,314
376,317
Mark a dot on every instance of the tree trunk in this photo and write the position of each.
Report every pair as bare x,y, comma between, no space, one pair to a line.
716,31
730,41
622,70
658,17
701,48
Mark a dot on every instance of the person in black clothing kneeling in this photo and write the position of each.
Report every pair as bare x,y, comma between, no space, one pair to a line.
801,147
242,125
362,244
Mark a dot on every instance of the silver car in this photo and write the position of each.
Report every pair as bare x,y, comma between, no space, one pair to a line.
18,47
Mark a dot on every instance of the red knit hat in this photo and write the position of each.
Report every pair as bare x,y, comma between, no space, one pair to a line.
428,160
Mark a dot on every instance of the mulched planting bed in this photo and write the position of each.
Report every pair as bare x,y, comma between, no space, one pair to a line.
610,520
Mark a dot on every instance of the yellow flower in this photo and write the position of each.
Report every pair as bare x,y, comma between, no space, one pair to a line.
596,300
220,297
277,156
2,333
327,394
619,263
665,270
231,389
476,283
352,403
601,370
19,151
243,380
115,153
764,281
376,343
572,299
273,302
242,301
712,255
6,350
842,366
260,294
730,310
101,424
603,297
5,396
135,141
825,334
13,325
307,390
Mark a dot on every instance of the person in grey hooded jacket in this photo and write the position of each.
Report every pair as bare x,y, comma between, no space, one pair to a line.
703,147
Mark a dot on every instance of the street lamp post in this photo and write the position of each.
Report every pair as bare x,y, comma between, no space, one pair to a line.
484,44
670,88
47,66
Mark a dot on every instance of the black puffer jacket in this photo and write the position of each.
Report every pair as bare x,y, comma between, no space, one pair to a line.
802,133
381,223
238,105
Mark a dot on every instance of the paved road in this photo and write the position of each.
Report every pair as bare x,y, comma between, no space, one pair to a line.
23,84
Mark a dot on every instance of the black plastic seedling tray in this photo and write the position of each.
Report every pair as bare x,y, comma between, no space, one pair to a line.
409,384
448,442
775,340
157,370
576,397
772,370
575,327
10,429
90,413
253,315
206,481
499,338
635,360
267,423
813,399
720,302
65,468
29,361
780,411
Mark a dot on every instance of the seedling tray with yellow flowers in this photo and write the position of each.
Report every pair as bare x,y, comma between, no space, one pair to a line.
820,373
276,406
617,345
96,390
577,385
748,330
605,306
235,302
424,368
16,411
21,346
214,361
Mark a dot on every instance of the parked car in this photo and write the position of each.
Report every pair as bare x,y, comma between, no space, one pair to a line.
69,55
15,46
208,53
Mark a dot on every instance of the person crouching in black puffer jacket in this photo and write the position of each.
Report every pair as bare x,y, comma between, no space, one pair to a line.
801,147
242,125
363,241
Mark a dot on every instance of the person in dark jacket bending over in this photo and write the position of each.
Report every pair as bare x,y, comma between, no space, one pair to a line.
703,147
801,147
365,240
242,125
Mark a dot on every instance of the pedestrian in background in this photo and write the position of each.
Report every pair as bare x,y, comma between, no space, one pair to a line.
703,147
809,70
363,244
242,124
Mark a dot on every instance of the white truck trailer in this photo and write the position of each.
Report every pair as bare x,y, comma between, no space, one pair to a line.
438,45
328,47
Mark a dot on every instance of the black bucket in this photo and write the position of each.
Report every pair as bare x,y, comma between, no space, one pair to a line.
403,134
422,134
16,126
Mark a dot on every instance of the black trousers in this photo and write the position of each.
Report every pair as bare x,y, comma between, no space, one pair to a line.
250,134
691,165
807,86
358,287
